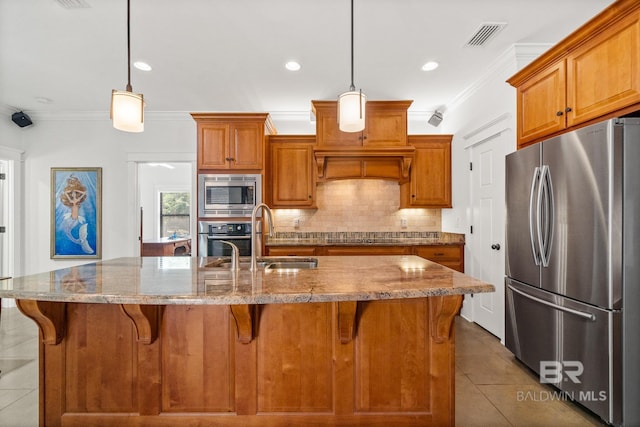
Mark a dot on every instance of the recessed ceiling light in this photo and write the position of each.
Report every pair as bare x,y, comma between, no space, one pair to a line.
429,66
142,66
292,66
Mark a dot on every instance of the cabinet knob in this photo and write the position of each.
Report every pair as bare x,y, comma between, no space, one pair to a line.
496,246
413,195
559,113
309,197
566,110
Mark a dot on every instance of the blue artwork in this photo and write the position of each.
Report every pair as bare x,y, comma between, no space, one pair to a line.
76,212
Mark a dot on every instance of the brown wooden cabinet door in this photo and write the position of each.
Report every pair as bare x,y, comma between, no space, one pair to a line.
603,75
291,171
213,143
245,146
232,141
430,185
385,124
327,127
541,104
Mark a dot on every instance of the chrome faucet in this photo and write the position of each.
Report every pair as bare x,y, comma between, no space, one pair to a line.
235,256
254,241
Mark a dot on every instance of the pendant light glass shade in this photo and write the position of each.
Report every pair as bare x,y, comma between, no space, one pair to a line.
351,107
127,111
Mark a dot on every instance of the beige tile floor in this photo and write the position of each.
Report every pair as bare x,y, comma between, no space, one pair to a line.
488,381
494,389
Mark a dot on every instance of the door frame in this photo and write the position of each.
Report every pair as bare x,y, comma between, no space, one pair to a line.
504,123
13,259
133,198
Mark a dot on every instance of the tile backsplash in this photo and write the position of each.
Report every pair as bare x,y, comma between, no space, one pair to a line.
358,205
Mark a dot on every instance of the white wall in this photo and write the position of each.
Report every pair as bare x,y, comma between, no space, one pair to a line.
490,100
92,142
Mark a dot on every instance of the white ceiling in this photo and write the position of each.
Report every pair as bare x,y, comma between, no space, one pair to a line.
229,55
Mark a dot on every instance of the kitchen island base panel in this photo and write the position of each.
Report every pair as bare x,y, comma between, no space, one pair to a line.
388,362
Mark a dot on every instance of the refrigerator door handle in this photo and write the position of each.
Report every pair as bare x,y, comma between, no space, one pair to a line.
532,234
545,208
550,206
588,316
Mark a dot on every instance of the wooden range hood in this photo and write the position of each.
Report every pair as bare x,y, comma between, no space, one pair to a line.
391,163
380,151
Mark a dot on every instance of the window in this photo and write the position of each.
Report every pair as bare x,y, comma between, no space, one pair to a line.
175,208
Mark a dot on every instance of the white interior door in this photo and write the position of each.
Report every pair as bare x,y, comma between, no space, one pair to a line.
487,219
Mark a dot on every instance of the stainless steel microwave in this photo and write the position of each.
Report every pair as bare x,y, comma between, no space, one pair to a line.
233,195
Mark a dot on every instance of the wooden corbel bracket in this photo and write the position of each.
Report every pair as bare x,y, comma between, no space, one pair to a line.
244,315
146,320
443,310
49,316
347,320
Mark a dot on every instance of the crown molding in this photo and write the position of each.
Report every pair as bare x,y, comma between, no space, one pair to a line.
511,60
41,115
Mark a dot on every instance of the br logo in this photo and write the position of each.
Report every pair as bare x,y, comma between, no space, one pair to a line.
553,372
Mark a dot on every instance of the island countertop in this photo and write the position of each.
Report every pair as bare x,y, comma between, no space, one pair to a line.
188,280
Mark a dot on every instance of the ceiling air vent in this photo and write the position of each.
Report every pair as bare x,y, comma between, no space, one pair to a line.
484,33
73,4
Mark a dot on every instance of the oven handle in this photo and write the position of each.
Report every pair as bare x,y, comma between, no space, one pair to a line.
228,237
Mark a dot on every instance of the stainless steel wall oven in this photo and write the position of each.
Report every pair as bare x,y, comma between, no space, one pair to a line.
210,234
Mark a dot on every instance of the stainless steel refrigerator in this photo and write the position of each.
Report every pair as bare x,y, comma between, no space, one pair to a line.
573,265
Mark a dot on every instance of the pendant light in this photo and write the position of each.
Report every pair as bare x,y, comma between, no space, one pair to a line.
127,108
351,104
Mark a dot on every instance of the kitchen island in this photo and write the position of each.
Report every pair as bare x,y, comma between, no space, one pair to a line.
162,341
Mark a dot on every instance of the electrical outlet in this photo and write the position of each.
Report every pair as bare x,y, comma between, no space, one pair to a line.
403,222
296,223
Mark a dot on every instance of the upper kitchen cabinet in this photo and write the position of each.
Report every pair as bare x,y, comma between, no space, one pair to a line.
232,141
591,75
290,174
385,125
430,184
541,103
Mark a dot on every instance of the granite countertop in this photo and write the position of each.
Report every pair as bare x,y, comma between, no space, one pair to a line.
410,238
187,280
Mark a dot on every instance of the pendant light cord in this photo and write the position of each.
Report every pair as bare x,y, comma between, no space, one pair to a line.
129,88
352,87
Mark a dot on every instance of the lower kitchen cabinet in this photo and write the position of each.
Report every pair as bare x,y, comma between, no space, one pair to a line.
291,251
368,250
451,256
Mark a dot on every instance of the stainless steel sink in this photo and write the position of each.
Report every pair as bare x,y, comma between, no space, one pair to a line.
308,263
268,263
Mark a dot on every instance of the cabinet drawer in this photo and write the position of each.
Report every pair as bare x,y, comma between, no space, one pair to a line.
291,251
367,250
440,253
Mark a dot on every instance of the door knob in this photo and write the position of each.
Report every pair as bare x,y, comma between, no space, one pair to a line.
496,246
